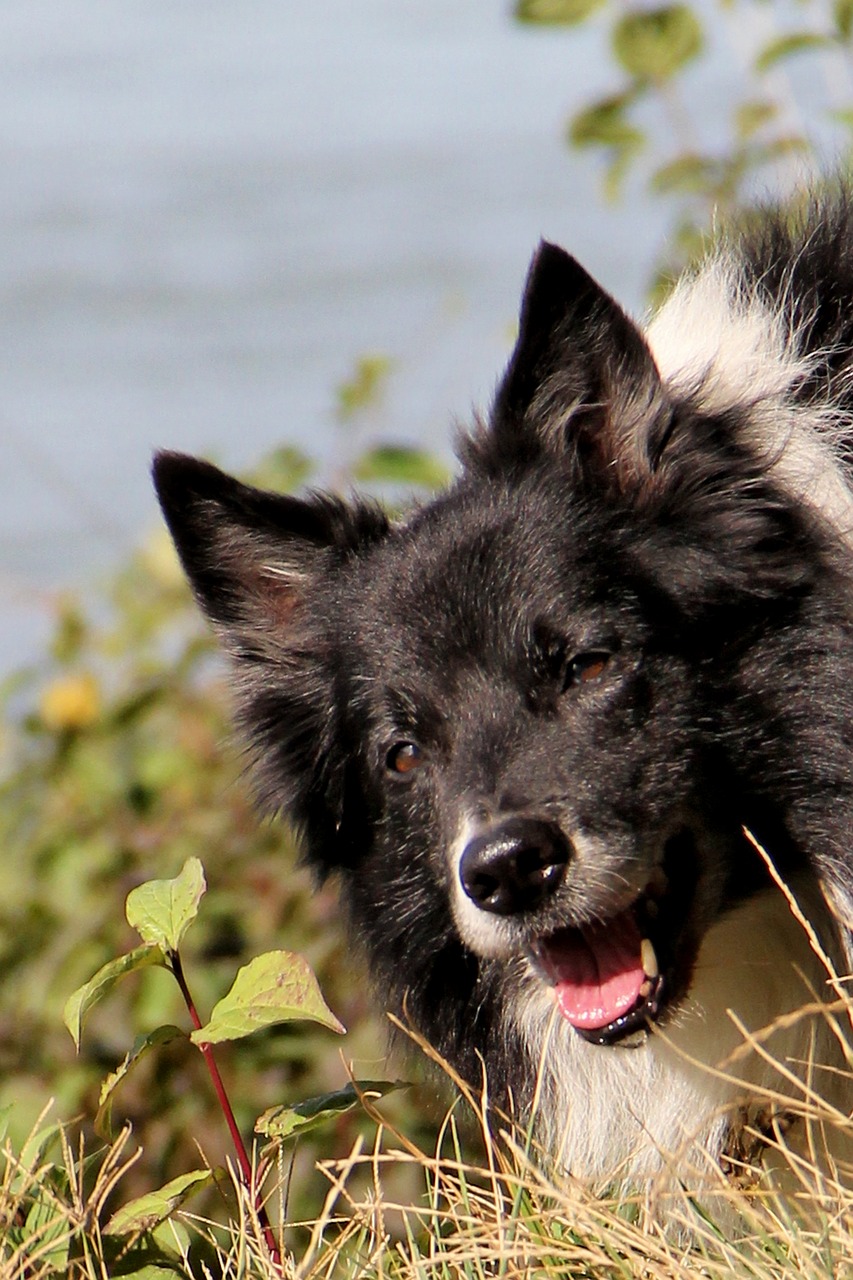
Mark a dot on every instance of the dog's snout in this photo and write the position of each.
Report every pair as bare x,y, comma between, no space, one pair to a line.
514,867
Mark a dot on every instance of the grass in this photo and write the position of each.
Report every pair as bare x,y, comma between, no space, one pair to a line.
504,1214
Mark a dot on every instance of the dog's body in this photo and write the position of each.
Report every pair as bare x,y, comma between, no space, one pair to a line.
527,724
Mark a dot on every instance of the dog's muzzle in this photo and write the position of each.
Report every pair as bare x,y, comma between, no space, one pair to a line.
611,974
514,867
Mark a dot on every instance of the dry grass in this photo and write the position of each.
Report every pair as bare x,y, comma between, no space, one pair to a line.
509,1216
505,1215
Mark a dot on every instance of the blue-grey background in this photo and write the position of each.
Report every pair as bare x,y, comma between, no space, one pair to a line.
210,209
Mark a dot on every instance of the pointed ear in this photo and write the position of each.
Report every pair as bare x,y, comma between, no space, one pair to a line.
258,563
251,556
578,379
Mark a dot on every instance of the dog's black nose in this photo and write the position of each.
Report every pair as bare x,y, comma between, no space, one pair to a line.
514,867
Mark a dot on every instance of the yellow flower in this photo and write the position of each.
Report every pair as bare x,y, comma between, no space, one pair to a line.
71,702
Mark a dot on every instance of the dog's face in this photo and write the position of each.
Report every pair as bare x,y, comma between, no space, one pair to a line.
496,719
530,751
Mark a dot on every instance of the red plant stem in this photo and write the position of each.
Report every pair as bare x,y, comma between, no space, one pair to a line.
236,1137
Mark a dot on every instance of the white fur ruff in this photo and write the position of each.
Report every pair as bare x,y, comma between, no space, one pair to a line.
621,1115
726,349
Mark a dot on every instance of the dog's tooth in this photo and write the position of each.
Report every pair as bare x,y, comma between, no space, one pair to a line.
646,989
648,959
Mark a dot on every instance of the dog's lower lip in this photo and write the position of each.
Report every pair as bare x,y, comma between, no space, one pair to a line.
638,1018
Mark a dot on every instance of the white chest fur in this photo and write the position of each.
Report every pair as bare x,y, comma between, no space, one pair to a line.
620,1114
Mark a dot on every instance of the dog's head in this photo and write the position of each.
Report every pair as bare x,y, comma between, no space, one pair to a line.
498,717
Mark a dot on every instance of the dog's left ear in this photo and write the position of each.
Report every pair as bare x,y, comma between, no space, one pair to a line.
578,381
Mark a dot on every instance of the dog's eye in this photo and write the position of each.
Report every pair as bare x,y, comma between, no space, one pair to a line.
404,758
586,667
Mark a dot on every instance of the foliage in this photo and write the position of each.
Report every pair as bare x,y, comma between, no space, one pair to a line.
508,1214
118,769
274,988
655,120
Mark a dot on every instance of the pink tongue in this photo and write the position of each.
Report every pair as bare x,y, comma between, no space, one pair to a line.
596,970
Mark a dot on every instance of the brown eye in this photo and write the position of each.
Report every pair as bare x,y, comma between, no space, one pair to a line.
404,757
586,667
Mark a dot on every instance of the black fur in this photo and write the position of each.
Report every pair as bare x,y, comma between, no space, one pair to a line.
621,622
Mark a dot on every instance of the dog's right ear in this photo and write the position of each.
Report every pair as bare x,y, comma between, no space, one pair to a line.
252,556
581,383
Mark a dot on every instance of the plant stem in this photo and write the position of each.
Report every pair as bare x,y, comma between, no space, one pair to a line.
227,1110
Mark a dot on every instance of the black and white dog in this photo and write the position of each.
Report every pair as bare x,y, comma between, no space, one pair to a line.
527,724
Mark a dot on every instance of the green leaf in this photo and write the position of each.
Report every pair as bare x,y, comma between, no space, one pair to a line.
604,124
565,13
615,173
140,1047
365,386
653,44
35,1150
156,1271
842,16
778,149
401,464
844,117
787,46
278,986
751,116
161,911
285,469
48,1232
688,174
78,1004
148,1211
289,1122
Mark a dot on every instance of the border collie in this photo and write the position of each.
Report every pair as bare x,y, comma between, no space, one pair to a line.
531,725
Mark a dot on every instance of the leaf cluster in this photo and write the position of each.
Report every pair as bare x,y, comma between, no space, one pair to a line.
654,119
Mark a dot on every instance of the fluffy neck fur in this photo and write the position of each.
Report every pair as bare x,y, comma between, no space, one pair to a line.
726,344
628,1115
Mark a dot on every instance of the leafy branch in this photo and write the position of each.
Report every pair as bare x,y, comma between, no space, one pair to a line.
656,47
275,987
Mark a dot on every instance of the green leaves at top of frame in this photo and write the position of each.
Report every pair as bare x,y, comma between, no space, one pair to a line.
654,44
788,45
277,986
161,911
751,116
606,124
842,16
401,464
688,174
558,13
365,386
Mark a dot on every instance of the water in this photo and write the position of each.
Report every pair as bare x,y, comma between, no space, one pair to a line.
209,210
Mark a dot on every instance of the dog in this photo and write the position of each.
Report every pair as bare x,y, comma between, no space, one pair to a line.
575,735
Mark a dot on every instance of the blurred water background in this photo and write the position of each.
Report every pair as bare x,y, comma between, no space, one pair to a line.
209,210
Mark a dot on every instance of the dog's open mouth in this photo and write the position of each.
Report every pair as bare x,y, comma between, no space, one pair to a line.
606,976
612,977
